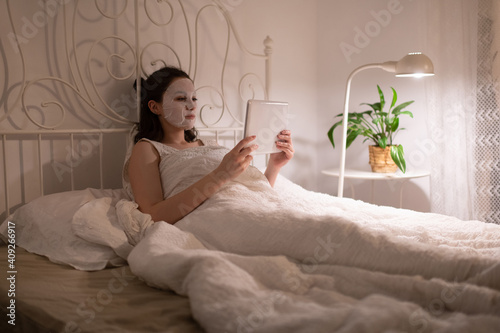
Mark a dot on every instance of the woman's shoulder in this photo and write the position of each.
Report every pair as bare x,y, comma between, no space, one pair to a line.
158,148
145,149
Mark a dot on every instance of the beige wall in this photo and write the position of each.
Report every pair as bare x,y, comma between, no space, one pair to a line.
292,24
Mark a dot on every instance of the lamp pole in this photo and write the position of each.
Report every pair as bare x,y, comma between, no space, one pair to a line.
389,66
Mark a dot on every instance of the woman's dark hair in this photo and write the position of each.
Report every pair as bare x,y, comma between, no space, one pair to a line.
153,88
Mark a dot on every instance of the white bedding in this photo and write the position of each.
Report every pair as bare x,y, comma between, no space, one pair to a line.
51,226
290,260
256,259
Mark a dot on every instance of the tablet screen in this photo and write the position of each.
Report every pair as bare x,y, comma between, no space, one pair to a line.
265,119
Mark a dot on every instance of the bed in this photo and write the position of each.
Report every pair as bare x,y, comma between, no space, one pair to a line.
79,257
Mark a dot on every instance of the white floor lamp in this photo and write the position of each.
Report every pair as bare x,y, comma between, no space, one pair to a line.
413,65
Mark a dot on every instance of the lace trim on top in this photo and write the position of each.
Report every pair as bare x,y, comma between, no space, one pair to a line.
179,168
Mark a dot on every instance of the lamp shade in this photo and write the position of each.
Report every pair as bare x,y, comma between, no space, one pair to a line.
415,64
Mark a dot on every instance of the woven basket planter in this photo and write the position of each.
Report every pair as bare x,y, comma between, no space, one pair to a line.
381,160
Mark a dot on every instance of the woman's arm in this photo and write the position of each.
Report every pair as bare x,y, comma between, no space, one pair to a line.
145,179
278,160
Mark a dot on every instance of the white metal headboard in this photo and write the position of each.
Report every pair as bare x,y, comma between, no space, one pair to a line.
68,108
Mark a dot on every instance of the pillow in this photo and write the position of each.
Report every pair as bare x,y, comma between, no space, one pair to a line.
98,222
44,226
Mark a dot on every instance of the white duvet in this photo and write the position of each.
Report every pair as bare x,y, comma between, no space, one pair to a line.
256,259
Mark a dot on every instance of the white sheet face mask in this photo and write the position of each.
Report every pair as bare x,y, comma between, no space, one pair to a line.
179,104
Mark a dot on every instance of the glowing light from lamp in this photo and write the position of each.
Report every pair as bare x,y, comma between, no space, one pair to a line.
414,64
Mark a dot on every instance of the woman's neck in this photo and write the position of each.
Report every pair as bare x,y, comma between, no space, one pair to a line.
177,139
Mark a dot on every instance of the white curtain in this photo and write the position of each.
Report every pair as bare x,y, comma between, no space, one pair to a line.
487,144
463,110
451,104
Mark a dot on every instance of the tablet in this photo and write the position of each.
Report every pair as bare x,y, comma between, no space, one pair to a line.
265,119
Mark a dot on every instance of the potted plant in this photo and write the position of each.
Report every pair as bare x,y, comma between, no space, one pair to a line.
380,127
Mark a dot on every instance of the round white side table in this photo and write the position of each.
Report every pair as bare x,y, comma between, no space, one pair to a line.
397,176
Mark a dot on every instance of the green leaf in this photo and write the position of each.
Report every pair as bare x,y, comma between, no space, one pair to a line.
404,112
351,136
382,142
394,97
397,155
394,125
330,132
382,98
374,106
367,133
401,106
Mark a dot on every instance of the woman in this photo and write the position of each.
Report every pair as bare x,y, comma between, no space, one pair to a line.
166,138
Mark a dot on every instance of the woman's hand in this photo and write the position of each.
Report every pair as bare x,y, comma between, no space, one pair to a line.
236,161
284,143
278,160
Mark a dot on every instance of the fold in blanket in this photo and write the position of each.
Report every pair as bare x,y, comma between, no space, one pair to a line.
257,259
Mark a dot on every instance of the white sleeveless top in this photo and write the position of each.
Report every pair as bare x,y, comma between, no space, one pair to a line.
180,168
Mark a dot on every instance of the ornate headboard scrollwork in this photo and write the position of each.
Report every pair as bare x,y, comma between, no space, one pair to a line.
69,68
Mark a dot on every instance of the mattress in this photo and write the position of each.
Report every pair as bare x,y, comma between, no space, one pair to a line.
55,298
